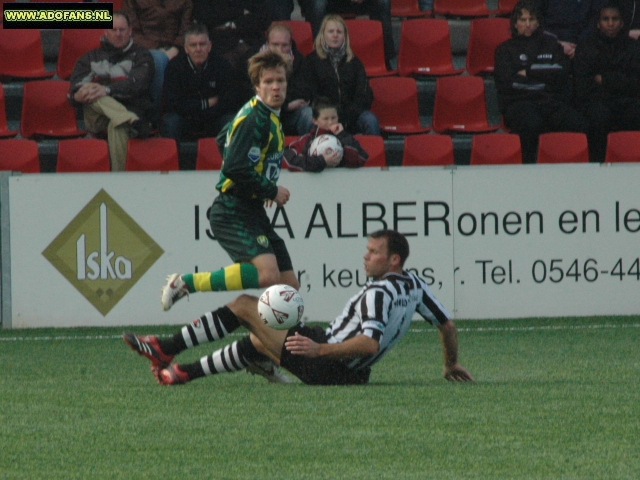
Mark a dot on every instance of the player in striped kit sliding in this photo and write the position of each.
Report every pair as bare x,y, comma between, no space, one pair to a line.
372,322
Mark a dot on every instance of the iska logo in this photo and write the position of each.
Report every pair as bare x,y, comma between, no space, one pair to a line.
103,252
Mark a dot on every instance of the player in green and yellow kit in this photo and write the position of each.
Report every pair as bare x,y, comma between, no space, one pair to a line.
252,156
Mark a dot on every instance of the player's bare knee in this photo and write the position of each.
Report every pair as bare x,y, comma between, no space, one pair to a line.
245,307
266,278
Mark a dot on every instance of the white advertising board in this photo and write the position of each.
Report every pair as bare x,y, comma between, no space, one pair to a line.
94,249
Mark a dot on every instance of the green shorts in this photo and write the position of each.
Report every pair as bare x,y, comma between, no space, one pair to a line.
244,230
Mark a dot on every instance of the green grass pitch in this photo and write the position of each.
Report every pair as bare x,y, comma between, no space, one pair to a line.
553,399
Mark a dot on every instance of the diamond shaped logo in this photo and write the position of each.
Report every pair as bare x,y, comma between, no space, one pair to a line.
103,252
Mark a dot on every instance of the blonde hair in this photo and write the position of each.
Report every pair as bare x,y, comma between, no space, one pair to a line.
318,42
266,60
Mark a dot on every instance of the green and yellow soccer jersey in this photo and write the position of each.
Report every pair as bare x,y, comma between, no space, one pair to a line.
252,153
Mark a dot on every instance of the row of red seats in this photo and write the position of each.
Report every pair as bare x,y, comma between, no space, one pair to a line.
161,154
425,47
152,154
460,106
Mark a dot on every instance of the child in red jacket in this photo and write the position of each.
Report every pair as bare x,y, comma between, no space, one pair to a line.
325,121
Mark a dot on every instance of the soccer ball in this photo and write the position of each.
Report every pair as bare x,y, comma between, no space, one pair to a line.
325,142
280,307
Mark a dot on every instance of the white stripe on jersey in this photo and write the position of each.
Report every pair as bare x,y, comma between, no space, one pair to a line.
383,310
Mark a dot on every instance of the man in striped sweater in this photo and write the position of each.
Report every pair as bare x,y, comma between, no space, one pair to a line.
372,322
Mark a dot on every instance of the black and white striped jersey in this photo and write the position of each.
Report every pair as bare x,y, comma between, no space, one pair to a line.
383,310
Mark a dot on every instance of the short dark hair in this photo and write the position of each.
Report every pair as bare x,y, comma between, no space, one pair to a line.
196,29
321,103
396,243
122,14
530,7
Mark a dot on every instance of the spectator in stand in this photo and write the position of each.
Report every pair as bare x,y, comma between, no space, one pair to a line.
631,17
315,11
159,26
333,71
236,29
295,114
111,83
199,93
532,74
325,121
569,21
607,77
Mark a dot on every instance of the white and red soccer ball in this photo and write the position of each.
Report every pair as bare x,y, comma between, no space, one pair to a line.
325,142
280,307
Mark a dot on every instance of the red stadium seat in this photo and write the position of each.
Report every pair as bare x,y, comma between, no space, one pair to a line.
365,37
46,111
460,106
407,9
623,147
19,155
208,156
485,34
462,8
302,35
21,54
505,7
425,48
83,155
152,154
73,44
427,150
395,103
4,129
496,149
374,146
563,147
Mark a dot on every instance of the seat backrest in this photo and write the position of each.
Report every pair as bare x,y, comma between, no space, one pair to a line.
425,48
208,156
623,147
374,146
19,155
505,7
462,8
485,34
365,37
427,150
4,130
460,105
496,149
46,111
21,54
407,8
302,34
395,103
73,44
83,155
562,147
152,154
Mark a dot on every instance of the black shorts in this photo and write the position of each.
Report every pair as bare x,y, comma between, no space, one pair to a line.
319,371
244,230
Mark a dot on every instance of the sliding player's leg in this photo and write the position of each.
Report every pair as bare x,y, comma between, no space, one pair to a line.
239,355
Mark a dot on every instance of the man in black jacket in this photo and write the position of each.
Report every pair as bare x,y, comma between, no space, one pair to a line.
607,71
532,79
112,84
199,95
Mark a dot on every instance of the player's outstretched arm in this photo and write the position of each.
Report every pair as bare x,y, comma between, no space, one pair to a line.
452,370
358,346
